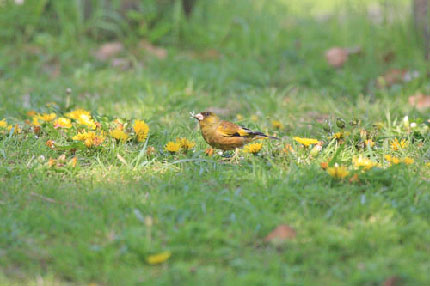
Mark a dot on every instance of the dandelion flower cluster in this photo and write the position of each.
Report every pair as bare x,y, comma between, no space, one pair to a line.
364,163
47,117
394,160
82,117
62,122
89,138
253,148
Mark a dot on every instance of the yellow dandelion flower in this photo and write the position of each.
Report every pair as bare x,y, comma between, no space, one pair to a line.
3,123
81,136
363,162
392,159
62,122
277,124
119,135
82,116
408,161
254,118
87,121
338,172
36,121
47,116
77,113
428,164
141,129
89,138
140,126
141,137
395,160
306,141
396,145
88,142
338,135
172,147
239,116
158,258
185,143
253,148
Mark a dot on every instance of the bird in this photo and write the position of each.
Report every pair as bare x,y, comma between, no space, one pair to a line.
225,135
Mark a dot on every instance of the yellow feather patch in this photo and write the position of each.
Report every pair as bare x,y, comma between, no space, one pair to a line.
243,133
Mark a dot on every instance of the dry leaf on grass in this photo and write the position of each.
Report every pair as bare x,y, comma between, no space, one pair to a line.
388,57
74,162
32,49
392,281
210,54
394,76
108,50
419,100
121,158
52,68
280,233
337,56
158,52
121,63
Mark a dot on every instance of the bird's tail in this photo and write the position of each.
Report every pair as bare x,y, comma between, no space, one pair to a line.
261,135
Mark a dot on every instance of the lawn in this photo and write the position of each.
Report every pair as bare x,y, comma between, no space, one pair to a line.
113,208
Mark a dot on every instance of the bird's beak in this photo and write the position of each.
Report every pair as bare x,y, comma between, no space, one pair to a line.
198,116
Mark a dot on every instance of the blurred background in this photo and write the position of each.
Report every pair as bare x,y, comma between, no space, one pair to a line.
343,48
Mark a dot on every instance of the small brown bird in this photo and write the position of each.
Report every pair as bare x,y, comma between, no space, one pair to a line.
225,135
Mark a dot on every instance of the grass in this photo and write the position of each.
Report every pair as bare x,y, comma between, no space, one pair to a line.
97,223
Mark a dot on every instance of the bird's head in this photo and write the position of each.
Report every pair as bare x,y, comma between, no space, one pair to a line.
206,117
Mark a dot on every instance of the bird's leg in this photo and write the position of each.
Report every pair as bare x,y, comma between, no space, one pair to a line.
236,157
224,155
209,152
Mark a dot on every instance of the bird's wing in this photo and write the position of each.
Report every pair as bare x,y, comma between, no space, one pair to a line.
228,129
